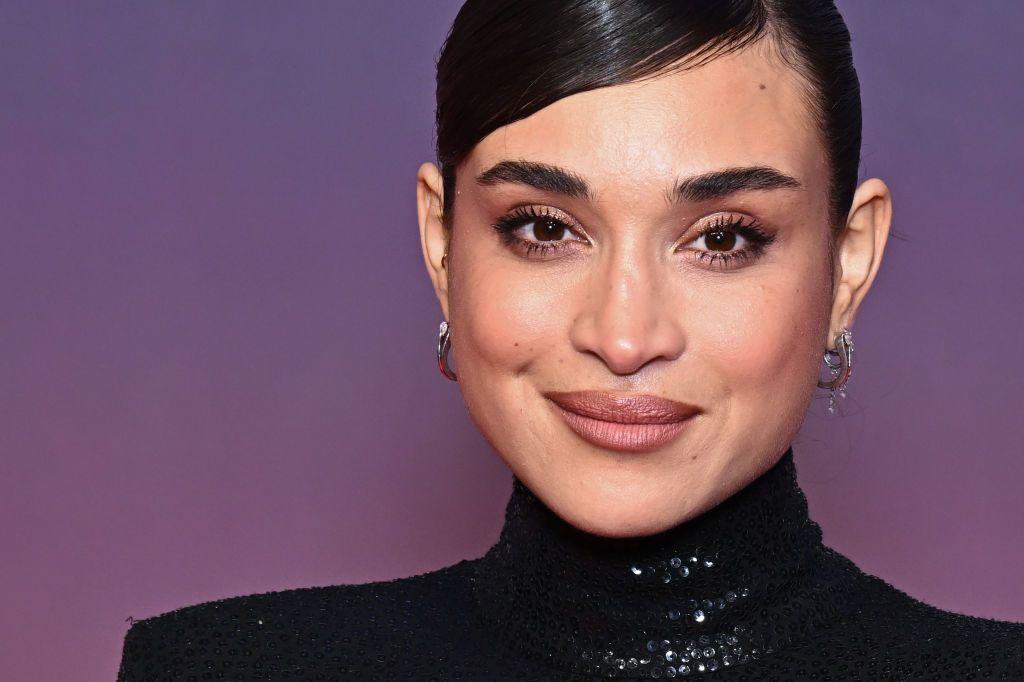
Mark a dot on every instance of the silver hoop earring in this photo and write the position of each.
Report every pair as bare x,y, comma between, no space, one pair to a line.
841,367
444,342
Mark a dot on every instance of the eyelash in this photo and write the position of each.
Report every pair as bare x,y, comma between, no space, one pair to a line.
757,239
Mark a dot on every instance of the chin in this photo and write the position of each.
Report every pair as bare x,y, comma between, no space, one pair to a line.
616,514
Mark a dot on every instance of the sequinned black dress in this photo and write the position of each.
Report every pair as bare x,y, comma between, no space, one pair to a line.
746,591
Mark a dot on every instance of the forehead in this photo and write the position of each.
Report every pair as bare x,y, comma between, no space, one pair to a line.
744,108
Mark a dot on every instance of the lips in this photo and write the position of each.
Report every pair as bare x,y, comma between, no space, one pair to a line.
627,422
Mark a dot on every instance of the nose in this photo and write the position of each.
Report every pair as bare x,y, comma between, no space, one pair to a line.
626,319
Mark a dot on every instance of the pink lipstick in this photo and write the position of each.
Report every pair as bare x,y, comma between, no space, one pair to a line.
628,422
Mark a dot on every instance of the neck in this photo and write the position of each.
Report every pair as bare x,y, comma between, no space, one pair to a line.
717,590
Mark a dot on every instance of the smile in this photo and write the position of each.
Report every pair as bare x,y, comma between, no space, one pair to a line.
623,422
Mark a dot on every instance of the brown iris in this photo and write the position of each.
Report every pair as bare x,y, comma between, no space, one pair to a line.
720,240
548,230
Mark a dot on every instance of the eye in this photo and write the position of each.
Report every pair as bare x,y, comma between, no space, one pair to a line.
532,230
721,240
728,241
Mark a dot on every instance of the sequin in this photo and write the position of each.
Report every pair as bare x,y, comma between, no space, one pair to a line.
548,603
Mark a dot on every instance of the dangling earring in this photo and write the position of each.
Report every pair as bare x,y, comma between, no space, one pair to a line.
841,367
443,344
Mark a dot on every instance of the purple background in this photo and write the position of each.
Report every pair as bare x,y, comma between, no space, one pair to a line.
218,336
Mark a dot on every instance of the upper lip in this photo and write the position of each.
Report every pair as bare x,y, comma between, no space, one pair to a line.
623,408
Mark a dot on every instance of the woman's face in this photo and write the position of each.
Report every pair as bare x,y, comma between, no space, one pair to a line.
668,239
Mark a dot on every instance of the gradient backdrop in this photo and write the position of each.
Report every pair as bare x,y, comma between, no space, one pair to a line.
217,350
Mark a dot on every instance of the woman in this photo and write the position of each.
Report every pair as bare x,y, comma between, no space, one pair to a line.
646,236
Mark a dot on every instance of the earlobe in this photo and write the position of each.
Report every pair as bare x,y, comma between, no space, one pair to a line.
434,236
860,251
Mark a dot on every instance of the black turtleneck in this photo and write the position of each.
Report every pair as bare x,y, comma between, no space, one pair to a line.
744,579
745,591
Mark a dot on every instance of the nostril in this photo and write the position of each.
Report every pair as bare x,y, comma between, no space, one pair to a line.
626,331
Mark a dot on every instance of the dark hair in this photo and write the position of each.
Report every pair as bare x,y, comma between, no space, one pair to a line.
503,60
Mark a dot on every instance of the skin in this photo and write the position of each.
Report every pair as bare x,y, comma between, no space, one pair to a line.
626,305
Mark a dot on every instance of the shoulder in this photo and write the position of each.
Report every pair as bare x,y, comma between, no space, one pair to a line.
291,632
889,630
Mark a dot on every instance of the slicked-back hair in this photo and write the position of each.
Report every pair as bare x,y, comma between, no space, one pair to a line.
503,60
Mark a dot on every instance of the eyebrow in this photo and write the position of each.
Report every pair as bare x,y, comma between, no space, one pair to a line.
721,183
706,186
539,176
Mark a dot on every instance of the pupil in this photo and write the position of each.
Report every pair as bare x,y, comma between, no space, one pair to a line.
721,238
548,230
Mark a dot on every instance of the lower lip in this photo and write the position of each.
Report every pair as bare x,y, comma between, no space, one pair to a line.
622,437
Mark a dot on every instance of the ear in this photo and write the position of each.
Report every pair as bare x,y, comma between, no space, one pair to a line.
859,252
433,234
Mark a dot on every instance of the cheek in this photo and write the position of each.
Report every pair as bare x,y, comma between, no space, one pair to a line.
506,318
508,327
763,337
